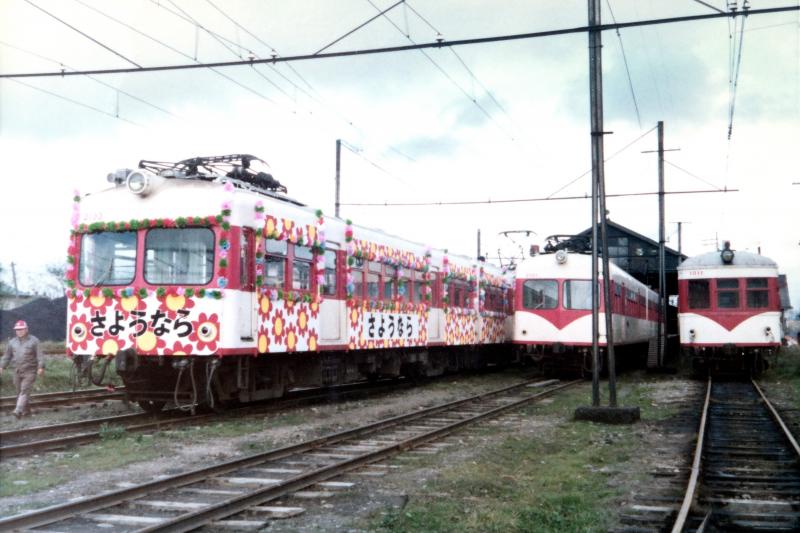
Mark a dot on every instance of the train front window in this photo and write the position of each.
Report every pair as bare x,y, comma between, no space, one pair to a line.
540,294
699,294
301,268
577,294
728,293
757,293
108,258
179,256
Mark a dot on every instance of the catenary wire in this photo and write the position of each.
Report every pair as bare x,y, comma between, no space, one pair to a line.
358,151
93,78
76,102
736,72
404,48
381,13
609,158
73,28
529,200
627,68
693,175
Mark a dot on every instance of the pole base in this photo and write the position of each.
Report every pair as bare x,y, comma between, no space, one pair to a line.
608,415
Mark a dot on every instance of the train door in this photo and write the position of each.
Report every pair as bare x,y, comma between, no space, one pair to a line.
333,314
435,311
247,301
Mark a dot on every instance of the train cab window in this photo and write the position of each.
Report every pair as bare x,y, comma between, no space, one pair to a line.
373,281
699,294
540,294
357,271
389,282
301,268
179,256
276,263
329,286
577,294
757,293
728,293
108,258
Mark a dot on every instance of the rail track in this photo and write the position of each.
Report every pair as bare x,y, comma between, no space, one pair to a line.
63,398
746,470
233,494
27,441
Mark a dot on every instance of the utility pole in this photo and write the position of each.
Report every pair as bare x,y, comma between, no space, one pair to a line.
662,275
479,244
596,102
338,177
14,278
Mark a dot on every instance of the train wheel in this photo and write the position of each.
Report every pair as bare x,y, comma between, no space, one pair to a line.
152,406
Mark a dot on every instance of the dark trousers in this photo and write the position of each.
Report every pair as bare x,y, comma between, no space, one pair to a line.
23,382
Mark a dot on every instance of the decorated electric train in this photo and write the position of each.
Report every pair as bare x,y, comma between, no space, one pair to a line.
553,312
729,311
206,284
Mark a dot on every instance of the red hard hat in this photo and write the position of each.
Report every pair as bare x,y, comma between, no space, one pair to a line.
20,325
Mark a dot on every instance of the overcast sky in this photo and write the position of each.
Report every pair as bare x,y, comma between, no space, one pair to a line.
494,121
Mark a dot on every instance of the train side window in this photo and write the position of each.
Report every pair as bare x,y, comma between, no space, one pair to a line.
246,259
329,286
540,294
577,294
728,293
419,286
405,286
699,294
389,282
357,271
373,283
757,293
301,268
276,263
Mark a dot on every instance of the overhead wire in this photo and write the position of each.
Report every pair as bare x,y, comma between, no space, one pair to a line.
362,25
607,159
76,102
693,175
70,26
93,78
745,8
627,68
359,152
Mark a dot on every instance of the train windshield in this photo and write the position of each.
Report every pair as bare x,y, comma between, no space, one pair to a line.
179,256
540,294
108,258
577,294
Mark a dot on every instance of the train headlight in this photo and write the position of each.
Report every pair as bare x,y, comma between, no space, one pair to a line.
692,334
138,181
561,257
727,254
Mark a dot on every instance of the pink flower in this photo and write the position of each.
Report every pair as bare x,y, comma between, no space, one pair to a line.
228,186
226,204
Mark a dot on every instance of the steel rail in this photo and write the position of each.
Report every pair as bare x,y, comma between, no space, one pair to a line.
56,399
54,513
688,499
297,399
777,418
224,509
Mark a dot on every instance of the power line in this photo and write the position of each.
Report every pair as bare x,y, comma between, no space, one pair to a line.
692,175
76,102
609,158
101,82
527,200
381,13
403,48
70,26
745,8
627,69
359,152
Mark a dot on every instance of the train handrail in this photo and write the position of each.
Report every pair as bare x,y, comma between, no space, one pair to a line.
775,416
683,514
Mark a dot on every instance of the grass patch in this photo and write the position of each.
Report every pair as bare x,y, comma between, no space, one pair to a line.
18,479
57,377
552,480
787,369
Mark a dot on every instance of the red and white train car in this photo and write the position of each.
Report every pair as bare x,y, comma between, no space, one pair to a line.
729,310
553,310
206,283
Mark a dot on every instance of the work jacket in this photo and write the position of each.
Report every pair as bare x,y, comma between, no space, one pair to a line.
26,353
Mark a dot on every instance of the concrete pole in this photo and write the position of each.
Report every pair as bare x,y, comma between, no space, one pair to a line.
596,103
662,276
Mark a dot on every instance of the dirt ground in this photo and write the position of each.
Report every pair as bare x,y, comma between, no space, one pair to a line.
657,447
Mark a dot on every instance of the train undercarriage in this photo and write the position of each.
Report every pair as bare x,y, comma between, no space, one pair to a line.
729,359
190,382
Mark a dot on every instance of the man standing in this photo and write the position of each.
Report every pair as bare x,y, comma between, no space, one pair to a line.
27,355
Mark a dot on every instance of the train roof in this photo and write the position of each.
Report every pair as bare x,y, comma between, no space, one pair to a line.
576,266
740,259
